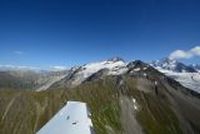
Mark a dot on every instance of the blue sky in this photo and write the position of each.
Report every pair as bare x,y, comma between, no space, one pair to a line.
45,33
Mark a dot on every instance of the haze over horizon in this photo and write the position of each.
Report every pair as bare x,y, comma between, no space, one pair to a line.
67,33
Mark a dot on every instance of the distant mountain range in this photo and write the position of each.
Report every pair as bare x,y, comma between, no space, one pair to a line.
36,79
196,67
187,75
174,66
21,79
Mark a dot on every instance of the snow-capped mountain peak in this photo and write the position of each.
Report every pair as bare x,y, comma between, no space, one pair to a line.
116,59
94,70
167,64
115,66
187,75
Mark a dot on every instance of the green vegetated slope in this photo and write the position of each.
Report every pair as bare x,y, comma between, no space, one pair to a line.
25,112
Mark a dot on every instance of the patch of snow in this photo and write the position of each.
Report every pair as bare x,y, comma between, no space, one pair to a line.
145,68
134,100
135,104
118,71
144,74
137,69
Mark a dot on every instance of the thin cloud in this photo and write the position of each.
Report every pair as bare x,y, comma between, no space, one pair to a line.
18,52
16,67
182,54
58,68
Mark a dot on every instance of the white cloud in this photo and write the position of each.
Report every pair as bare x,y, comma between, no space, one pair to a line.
181,54
58,68
196,51
15,67
18,52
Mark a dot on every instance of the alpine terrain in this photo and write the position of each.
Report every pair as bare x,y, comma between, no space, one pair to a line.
124,98
187,75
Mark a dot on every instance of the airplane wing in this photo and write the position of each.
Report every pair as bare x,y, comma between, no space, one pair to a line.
73,118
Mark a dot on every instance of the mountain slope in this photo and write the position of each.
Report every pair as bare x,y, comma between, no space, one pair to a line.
46,80
120,104
78,75
29,79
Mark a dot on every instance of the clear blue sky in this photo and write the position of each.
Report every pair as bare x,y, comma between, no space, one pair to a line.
68,32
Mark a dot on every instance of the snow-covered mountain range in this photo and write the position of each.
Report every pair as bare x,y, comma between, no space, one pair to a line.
173,65
187,75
